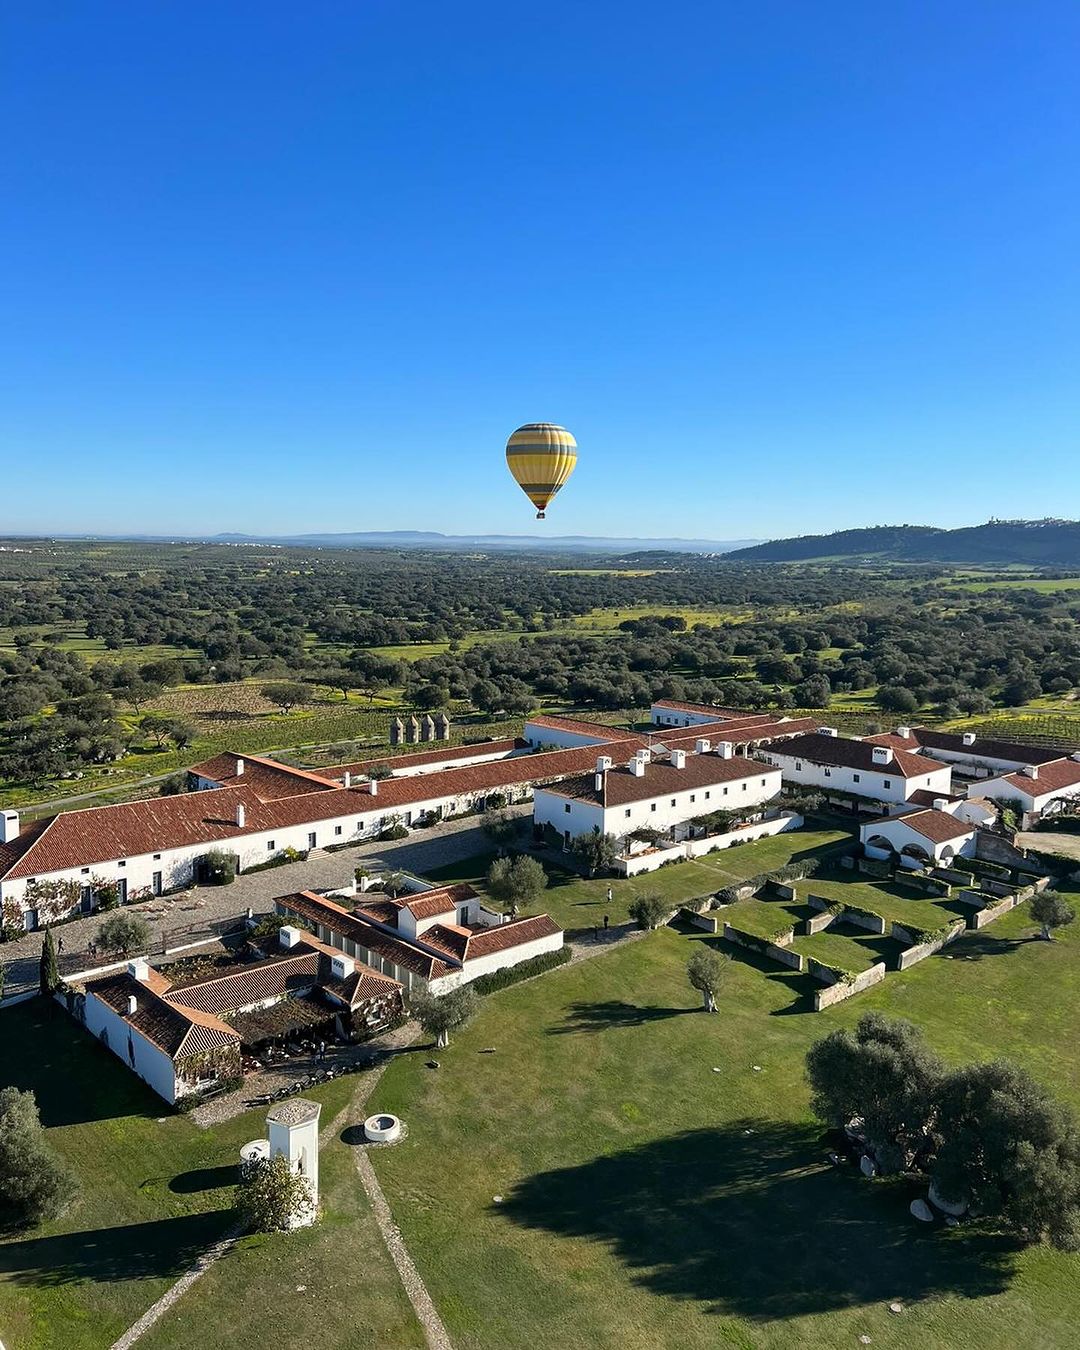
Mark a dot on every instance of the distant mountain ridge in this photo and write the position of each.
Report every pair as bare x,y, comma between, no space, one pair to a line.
1037,543
520,542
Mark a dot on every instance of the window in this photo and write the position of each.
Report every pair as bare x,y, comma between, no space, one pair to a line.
856,778
652,807
798,764
708,795
887,783
157,857
337,829
725,792
31,881
745,786
122,863
828,773
566,808
692,797
86,871
269,846
626,813
673,801
763,782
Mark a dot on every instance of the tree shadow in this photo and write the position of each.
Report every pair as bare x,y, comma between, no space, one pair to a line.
976,946
165,1247
583,1017
749,1221
204,1179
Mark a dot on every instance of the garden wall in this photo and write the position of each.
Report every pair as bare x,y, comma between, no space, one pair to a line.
836,993
987,915
696,848
774,951
858,918
706,921
919,952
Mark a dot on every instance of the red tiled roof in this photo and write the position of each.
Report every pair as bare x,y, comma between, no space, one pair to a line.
938,826
500,937
267,778
421,757
317,909
442,901
1054,777
174,1028
621,786
718,713
600,730
983,746
839,750
276,977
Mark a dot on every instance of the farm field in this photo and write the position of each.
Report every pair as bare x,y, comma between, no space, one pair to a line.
619,1161
156,1191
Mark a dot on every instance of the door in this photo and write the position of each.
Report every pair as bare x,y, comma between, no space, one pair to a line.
86,899
155,883
311,840
121,890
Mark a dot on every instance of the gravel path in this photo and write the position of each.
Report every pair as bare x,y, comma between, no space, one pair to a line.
439,846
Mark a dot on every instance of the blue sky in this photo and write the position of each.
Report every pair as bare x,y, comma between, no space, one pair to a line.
781,267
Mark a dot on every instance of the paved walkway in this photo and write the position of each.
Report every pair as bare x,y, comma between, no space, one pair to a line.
439,846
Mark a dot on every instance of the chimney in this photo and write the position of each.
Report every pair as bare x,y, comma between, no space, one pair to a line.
702,746
603,763
139,969
882,754
342,966
827,731
941,804
133,1005
1031,770
904,733
239,768
678,759
637,767
373,787
347,780
241,815
969,738
288,936
9,826
725,750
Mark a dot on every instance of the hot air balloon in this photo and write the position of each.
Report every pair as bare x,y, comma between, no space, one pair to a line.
541,456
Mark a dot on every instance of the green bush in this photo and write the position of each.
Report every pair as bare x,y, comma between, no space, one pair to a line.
537,965
393,832
219,867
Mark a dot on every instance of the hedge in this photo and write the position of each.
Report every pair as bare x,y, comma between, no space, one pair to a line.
537,965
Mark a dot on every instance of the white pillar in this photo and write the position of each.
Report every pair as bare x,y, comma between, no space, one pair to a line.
293,1128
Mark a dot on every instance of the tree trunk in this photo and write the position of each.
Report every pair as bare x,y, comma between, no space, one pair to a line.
1047,933
710,1002
442,1040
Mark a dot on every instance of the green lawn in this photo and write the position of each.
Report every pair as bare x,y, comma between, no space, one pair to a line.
649,1200
577,903
157,1190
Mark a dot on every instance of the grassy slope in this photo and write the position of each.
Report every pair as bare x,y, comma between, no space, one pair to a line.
155,1191
636,1210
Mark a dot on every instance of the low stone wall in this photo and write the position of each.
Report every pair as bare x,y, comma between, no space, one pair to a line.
953,875
696,848
988,914
783,891
816,923
873,923
706,921
774,951
919,952
836,993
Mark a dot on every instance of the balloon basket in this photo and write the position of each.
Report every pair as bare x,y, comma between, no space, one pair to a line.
540,515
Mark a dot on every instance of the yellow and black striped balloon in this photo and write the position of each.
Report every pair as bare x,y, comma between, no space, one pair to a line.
541,456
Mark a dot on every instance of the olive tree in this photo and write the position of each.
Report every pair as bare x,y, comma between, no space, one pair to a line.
649,910
706,971
1051,910
34,1184
120,933
440,1016
515,883
271,1197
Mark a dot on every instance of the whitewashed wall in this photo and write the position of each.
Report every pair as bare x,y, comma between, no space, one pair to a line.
877,783
152,1065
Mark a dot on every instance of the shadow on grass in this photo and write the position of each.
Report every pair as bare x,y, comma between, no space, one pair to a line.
204,1179
976,946
582,1017
800,986
755,1225
166,1247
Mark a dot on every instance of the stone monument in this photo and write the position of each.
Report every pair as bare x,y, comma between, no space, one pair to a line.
293,1127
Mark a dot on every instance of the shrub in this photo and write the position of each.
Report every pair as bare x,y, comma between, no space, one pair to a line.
272,1196
393,832
537,965
121,933
219,867
649,911
34,1184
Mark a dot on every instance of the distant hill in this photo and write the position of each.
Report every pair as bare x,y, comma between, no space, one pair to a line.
560,543
1036,543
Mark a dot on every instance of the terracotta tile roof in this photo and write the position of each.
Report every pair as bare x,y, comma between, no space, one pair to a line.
756,729
442,901
317,909
277,977
363,985
265,777
500,937
1054,777
600,731
382,911
983,746
28,835
172,1027
421,757
938,826
840,751
661,779
925,797
720,714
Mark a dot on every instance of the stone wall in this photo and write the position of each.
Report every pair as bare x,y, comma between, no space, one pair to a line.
922,950
873,923
773,951
987,915
836,993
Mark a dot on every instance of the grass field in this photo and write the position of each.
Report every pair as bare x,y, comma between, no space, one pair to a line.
655,1190
157,1190
578,903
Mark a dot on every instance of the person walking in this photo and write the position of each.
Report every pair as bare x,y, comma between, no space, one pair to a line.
607,920
610,897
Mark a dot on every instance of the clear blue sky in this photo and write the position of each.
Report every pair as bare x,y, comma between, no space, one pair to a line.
781,267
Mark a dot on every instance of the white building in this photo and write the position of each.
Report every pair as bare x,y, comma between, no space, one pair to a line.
878,772
1040,789
932,835
974,756
434,940
654,793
